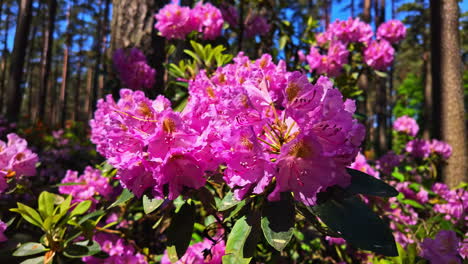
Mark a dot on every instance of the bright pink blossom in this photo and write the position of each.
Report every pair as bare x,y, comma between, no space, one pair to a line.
207,251
379,55
118,250
419,148
208,18
392,31
351,30
406,125
360,163
16,160
441,148
174,21
443,249
90,183
330,64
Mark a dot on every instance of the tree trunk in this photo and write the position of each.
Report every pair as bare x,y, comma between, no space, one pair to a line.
14,91
5,61
63,87
88,101
46,57
29,75
366,11
453,128
132,25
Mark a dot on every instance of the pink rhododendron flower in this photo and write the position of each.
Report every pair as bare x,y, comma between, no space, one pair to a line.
203,252
335,240
175,22
418,148
351,30
3,227
117,249
92,183
360,163
133,69
406,125
456,206
387,162
379,54
330,64
392,31
441,148
209,19
443,249
257,119
16,160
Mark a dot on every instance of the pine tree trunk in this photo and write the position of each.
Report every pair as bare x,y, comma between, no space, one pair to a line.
63,87
29,75
453,128
46,57
5,61
14,91
366,11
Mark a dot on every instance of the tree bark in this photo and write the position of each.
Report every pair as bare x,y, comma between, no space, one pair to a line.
46,58
14,91
449,86
5,61
63,87
366,11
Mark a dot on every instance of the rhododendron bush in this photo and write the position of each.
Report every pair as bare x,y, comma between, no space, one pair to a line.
240,160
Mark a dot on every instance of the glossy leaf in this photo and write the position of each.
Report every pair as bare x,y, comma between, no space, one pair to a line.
227,202
28,249
82,249
149,205
46,204
362,183
36,260
357,224
243,239
81,208
180,231
278,221
124,197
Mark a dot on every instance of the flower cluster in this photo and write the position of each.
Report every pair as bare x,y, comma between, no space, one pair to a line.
133,69
16,160
260,121
392,31
117,249
442,249
89,184
378,54
201,253
421,148
254,24
360,164
3,227
175,22
330,64
387,162
406,125
456,206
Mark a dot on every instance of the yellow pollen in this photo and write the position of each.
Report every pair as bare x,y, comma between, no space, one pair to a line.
300,150
169,125
144,109
246,143
10,174
222,78
210,92
291,91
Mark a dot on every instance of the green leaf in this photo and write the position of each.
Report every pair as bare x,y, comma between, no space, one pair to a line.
278,221
398,176
283,40
357,224
412,203
82,249
125,196
28,249
381,74
81,208
243,239
227,202
29,214
36,260
365,184
90,215
65,205
193,55
46,204
149,205
180,231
